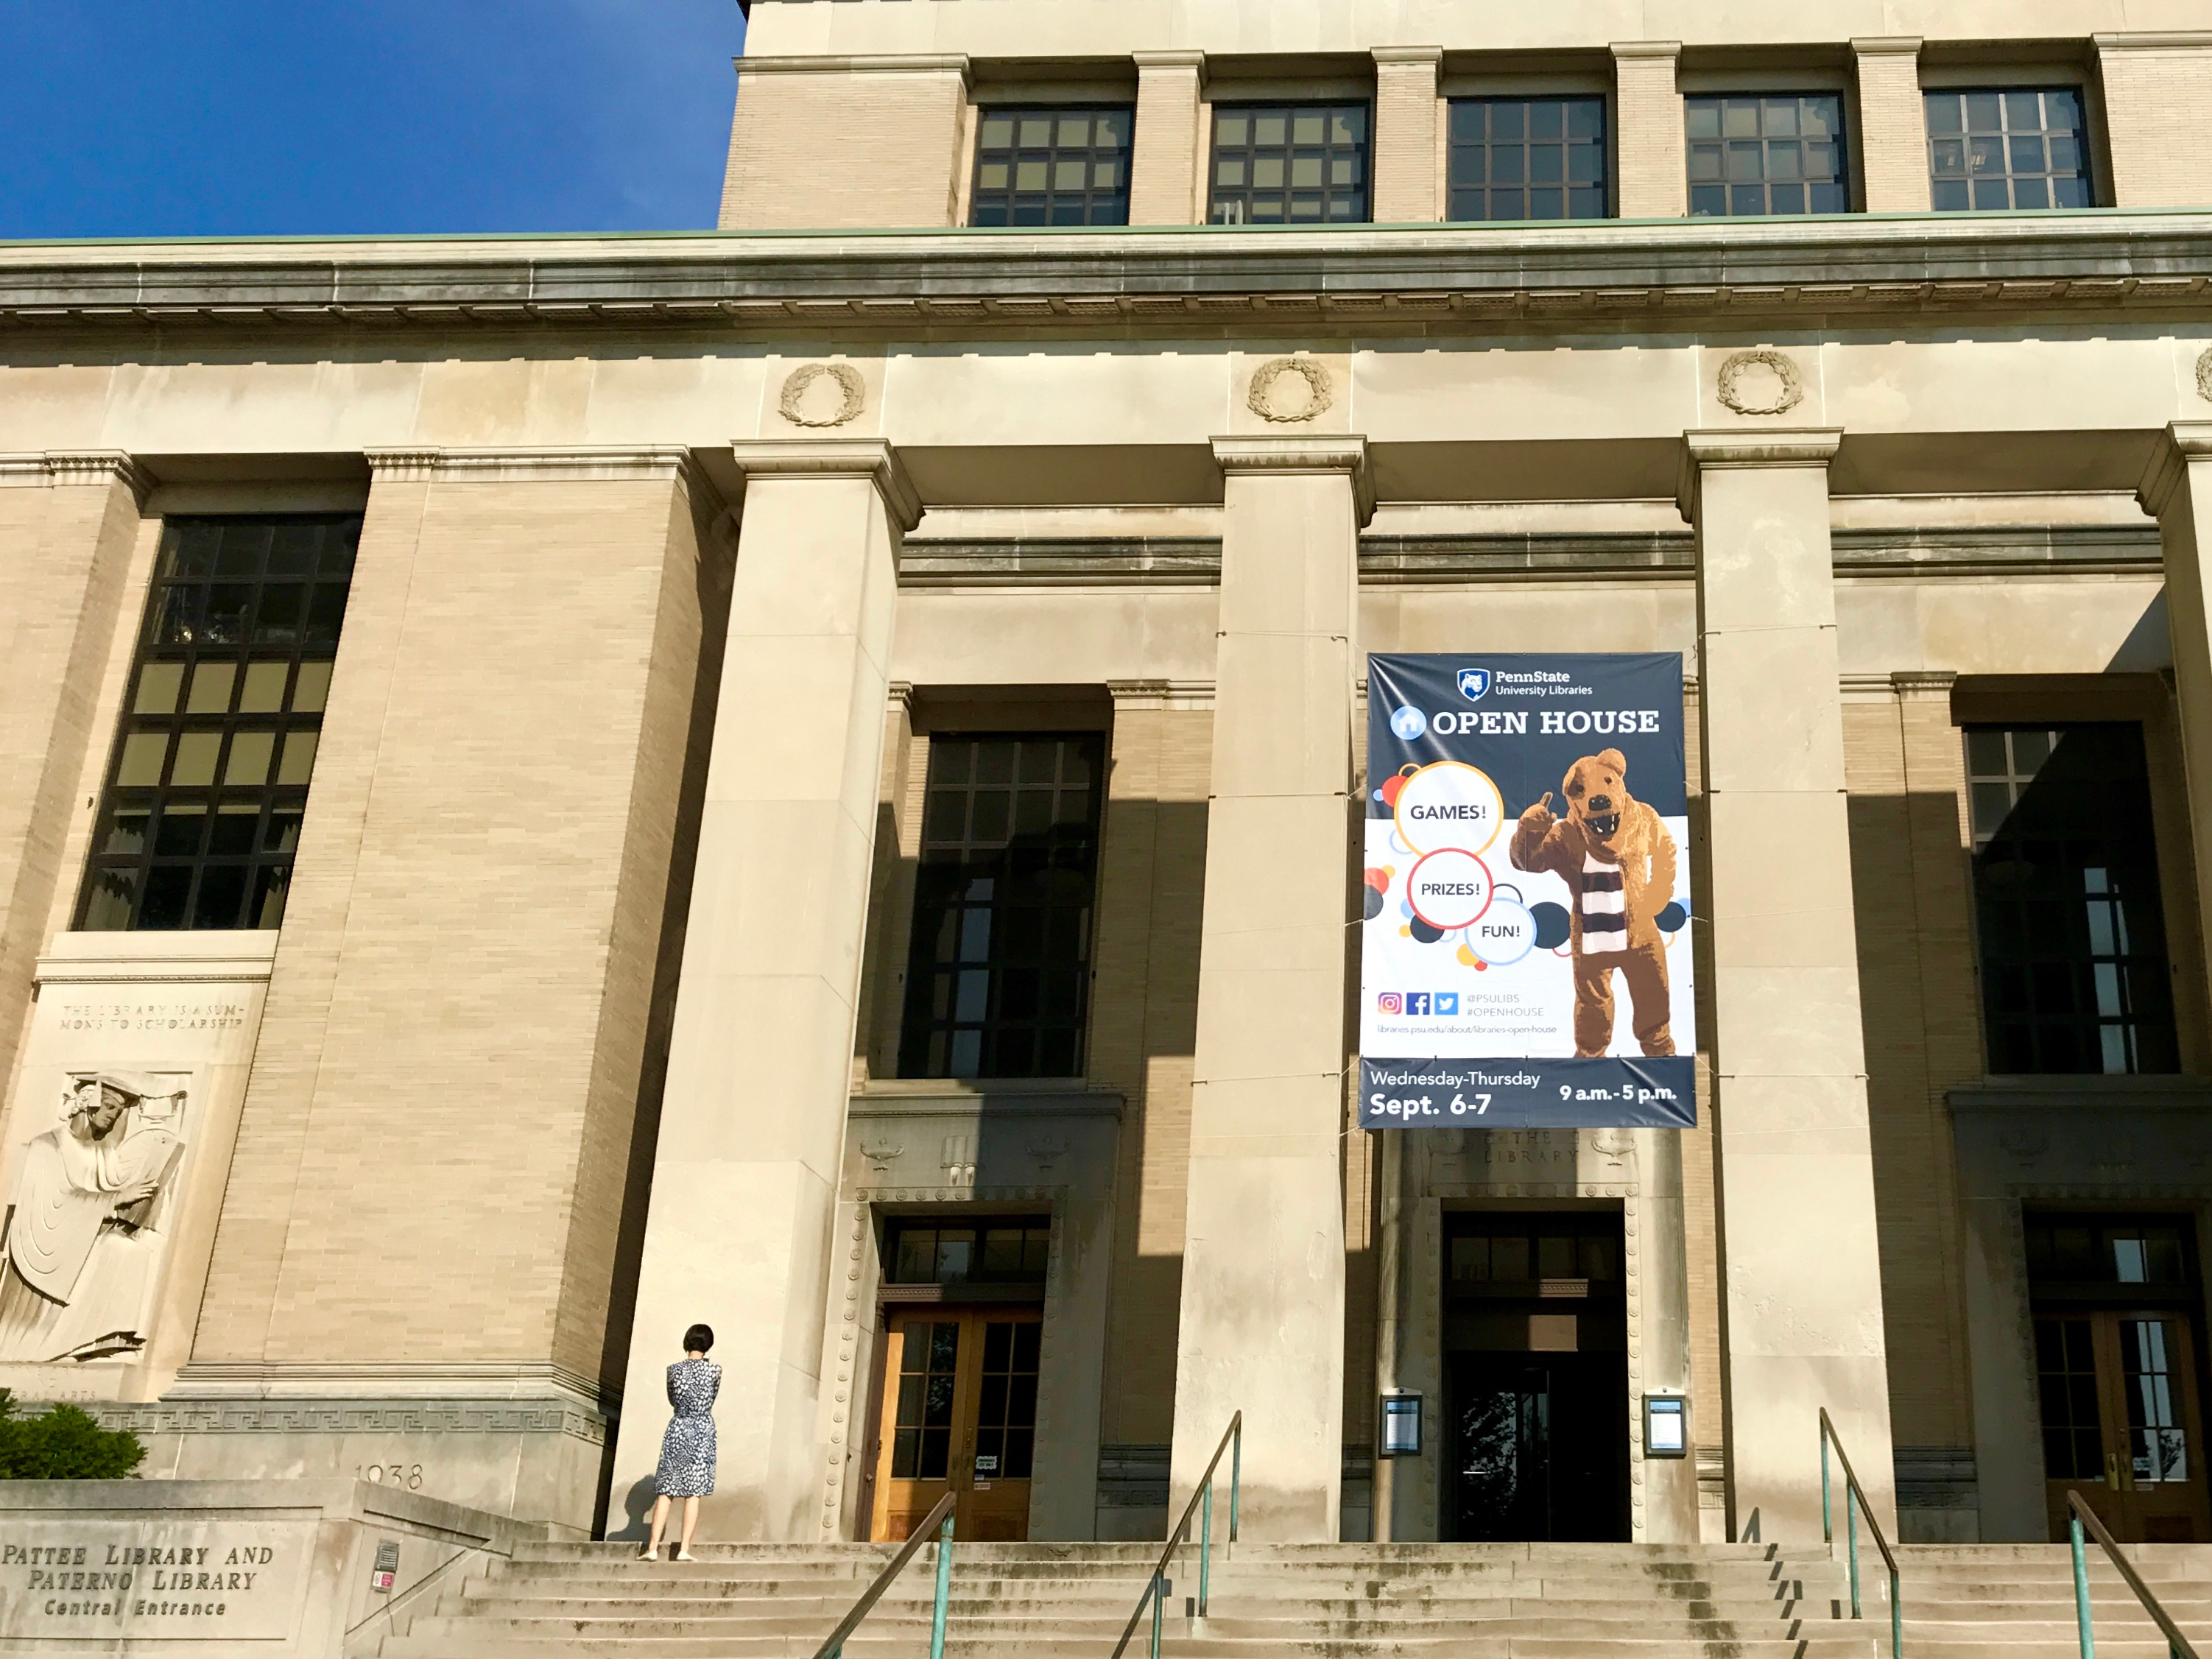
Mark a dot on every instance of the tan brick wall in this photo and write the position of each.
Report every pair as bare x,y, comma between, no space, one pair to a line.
846,148
66,536
1893,125
457,1025
1143,1025
1648,113
1910,878
2157,105
1407,187
1167,151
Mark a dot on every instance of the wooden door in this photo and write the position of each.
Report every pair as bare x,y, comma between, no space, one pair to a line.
959,1414
2123,1425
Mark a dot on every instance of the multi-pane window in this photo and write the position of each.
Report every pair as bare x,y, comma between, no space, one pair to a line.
2066,897
1005,1252
2016,148
208,785
929,1370
1290,164
1760,154
1005,1406
2158,1444
1528,158
2066,1379
1052,167
998,976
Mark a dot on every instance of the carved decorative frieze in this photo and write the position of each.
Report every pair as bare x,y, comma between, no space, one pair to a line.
1760,383
804,402
2205,375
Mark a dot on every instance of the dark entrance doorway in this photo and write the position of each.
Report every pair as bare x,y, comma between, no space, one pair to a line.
1537,1377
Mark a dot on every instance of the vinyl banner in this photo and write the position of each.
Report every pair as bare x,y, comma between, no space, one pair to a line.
1526,959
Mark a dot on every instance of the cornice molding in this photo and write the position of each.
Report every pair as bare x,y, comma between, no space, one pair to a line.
1649,276
1434,55
1887,46
2185,441
954,63
575,464
2154,40
1167,60
1647,49
60,468
848,457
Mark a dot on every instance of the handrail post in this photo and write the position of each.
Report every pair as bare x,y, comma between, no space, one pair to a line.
1851,1544
2081,1587
1205,1551
1158,1594
944,1588
1827,1508
1235,1470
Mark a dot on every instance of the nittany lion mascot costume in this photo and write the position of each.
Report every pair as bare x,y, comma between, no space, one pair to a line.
1617,859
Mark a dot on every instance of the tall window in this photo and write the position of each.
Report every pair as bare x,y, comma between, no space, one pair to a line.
999,977
1053,167
2016,148
1778,153
1290,164
208,782
2073,940
1528,158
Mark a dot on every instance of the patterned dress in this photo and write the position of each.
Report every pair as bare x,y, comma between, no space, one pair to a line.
687,1450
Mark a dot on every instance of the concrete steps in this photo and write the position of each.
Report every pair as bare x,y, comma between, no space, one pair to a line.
1335,1602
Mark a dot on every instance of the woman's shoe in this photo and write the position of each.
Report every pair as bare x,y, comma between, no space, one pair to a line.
685,1555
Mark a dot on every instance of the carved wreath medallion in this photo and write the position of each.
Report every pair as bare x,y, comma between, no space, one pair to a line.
1295,405
851,390
2204,375
1760,383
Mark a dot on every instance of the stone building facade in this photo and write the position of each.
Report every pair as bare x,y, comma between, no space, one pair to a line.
802,777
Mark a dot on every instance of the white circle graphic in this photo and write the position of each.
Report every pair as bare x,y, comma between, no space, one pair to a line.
1505,933
1449,804
1449,888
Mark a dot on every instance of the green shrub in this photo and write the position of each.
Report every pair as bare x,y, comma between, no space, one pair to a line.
63,1444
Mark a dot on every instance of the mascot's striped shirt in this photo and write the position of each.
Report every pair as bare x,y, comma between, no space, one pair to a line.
1603,905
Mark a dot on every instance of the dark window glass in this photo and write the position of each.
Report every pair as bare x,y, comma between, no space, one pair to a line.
1528,158
1005,1403
1513,1249
2066,896
224,709
1754,153
2084,1250
1994,149
1290,164
1011,1252
998,980
1052,167
2066,1380
929,1362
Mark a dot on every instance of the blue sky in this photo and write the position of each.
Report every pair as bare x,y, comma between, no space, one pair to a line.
217,117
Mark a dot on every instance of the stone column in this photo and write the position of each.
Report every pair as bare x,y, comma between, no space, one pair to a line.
2177,490
1802,1320
760,1061
1892,124
68,523
1262,1327
1653,154
1408,180
1167,159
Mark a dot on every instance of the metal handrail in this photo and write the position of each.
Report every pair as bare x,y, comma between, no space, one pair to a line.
942,1512
1853,1490
1177,1534
2176,1644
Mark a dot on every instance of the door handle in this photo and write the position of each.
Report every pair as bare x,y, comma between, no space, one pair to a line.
2112,1470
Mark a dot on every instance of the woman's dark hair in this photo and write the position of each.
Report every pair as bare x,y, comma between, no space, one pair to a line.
699,1339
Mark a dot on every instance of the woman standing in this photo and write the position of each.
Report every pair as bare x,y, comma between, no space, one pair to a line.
687,1450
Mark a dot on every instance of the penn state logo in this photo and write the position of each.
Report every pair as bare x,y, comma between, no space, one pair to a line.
1473,683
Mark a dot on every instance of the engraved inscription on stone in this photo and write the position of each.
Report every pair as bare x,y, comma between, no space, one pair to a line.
209,1581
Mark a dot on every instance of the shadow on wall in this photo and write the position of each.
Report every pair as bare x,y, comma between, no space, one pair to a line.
2149,646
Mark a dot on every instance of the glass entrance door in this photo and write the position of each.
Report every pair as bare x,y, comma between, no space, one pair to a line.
959,1415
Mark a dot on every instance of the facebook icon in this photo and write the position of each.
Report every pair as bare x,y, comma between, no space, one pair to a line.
1417,1004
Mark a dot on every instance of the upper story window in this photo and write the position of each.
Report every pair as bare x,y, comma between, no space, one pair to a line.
1528,158
1278,164
2066,897
1756,154
998,979
224,708
1053,167
1993,150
